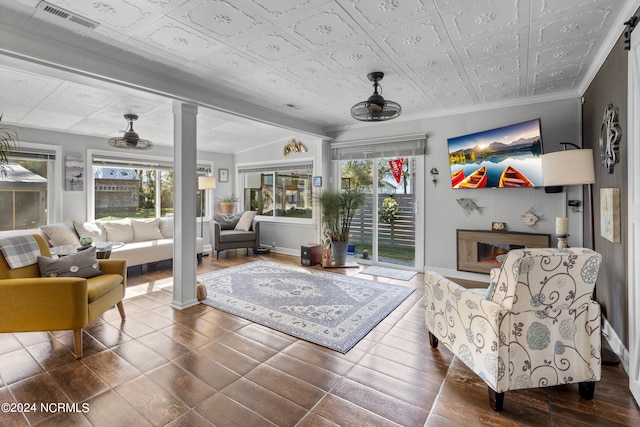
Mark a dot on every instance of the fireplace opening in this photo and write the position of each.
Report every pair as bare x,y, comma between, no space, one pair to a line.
488,252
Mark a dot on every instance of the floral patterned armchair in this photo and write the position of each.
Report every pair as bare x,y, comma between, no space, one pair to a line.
535,326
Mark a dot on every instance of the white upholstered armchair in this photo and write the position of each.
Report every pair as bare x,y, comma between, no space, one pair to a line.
535,326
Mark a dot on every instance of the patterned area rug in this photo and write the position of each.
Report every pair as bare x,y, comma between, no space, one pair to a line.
328,309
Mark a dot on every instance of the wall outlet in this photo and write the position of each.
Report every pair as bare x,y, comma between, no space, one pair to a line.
273,244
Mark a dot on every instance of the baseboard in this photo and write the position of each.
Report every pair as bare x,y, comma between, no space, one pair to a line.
616,344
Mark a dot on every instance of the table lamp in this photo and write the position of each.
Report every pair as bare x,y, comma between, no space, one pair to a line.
205,183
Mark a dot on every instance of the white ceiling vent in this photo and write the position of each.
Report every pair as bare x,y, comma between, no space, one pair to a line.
61,13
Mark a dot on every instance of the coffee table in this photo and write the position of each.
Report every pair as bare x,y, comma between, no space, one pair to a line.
103,249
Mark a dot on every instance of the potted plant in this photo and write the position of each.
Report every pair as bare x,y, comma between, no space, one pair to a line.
338,209
228,203
8,139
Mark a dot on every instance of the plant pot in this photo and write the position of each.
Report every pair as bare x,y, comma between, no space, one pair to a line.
339,252
227,207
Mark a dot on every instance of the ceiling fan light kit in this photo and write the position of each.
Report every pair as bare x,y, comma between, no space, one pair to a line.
376,108
131,140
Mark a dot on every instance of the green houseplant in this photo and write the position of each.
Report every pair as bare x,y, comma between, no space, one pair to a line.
8,141
338,209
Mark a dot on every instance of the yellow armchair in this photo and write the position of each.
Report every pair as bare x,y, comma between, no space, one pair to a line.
30,303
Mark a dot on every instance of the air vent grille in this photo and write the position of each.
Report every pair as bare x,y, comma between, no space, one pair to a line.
66,15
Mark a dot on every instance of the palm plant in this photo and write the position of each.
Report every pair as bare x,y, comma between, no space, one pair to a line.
8,140
338,209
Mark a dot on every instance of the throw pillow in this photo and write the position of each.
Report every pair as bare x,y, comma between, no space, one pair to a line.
90,229
119,231
244,224
227,222
60,234
146,229
82,264
166,227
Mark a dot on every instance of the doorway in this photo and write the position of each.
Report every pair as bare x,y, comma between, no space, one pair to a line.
385,231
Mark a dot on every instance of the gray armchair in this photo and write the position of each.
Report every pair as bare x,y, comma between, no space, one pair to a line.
225,236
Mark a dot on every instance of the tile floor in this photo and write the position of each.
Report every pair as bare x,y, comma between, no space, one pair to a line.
203,367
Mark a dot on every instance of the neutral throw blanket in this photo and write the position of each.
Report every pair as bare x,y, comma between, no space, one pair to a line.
20,251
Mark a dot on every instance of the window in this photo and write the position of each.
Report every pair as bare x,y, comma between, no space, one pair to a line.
278,191
25,189
138,189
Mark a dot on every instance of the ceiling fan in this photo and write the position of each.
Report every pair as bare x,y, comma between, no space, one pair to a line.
375,108
131,140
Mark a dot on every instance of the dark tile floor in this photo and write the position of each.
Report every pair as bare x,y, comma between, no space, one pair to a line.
203,367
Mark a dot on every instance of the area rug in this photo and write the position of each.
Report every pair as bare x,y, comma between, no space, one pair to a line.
391,273
332,310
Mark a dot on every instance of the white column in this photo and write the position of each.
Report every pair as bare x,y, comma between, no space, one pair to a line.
184,205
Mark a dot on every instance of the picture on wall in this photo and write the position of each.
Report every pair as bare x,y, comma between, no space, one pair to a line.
73,173
505,157
610,214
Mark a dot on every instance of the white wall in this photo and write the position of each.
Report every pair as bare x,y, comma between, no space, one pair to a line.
560,123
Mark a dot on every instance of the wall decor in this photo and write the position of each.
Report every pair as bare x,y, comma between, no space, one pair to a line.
317,181
499,226
529,218
73,173
610,214
294,146
469,206
223,175
609,141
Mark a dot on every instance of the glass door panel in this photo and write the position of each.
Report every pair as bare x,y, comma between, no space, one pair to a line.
358,174
386,234
396,219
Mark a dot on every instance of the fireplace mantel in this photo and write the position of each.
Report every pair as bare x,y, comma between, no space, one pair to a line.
478,249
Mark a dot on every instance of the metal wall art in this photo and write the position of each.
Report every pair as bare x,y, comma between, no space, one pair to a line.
610,134
294,146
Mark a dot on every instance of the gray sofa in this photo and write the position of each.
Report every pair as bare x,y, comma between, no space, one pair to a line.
225,236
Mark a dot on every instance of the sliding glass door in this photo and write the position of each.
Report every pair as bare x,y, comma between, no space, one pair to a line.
384,230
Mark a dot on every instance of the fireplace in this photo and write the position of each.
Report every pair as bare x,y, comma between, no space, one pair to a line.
479,251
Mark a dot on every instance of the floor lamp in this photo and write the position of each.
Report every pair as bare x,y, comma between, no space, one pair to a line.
575,167
205,183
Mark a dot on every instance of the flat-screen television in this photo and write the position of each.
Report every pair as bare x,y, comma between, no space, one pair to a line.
505,157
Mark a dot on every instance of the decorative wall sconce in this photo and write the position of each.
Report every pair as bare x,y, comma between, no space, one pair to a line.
610,134
434,176
294,146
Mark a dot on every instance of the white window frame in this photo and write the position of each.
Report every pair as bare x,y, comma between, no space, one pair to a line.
203,167
275,164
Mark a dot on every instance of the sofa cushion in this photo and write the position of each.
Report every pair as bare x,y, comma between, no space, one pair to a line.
146,229
166,227
227,222
237,236
83,264
99,286
119,231
60,234
245,221
90,229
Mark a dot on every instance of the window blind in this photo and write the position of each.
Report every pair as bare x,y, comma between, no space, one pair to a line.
32,154
299,167
119,162
400,146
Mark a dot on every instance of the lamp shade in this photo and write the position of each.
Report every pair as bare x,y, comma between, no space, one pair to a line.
206,183
570,167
